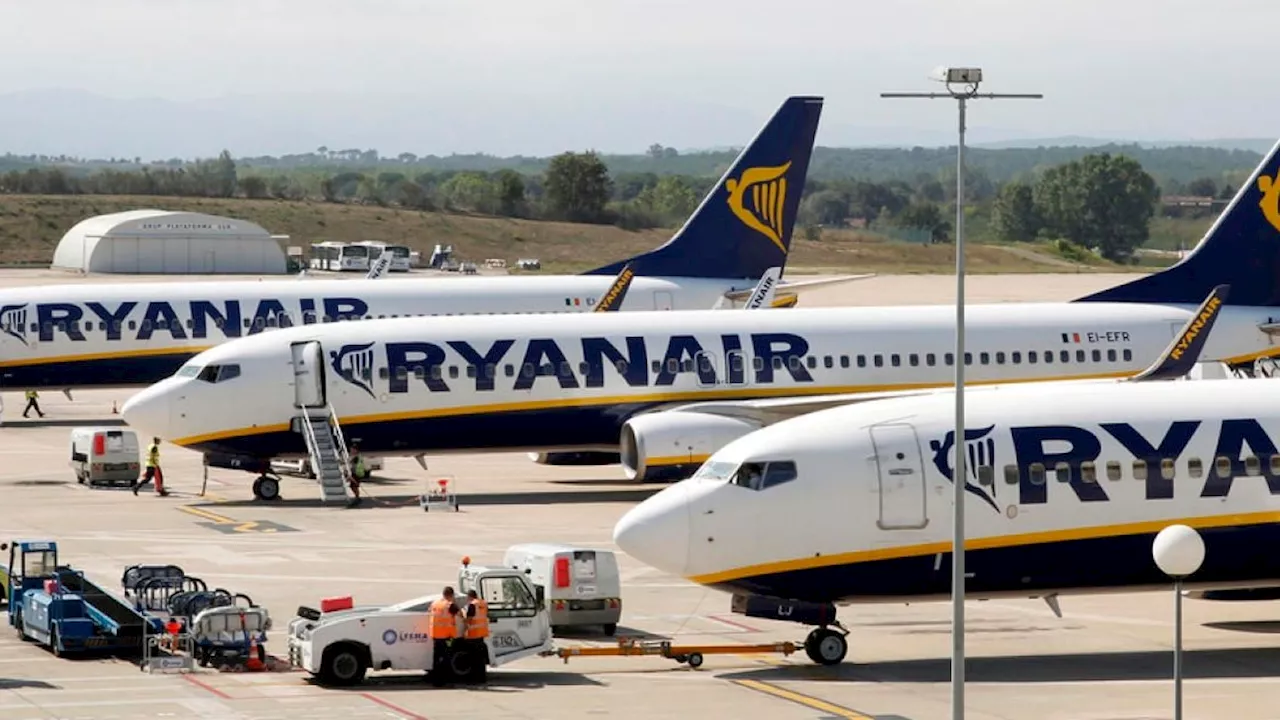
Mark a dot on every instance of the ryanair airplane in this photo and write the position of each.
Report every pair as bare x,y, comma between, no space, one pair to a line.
134,334
665,390
868,486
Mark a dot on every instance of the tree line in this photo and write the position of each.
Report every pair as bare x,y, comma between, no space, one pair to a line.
1101,201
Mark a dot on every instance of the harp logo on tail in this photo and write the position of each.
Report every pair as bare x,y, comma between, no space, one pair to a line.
354,363
980,451
13,322
767,199
1270,202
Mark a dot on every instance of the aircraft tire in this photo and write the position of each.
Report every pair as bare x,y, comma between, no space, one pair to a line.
825,646
266,488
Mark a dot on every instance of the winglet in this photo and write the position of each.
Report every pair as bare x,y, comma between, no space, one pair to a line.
762,296
1182,354
380,266
612,300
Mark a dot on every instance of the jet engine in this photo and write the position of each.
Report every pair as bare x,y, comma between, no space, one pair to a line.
671,445
586,457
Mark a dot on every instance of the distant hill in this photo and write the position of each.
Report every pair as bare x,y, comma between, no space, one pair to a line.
1255,145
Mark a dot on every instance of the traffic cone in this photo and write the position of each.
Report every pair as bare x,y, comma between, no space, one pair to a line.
254,663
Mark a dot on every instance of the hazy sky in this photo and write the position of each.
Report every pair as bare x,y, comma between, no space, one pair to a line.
580,70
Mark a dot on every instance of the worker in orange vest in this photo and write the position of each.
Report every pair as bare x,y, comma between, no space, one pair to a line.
442,631
477,630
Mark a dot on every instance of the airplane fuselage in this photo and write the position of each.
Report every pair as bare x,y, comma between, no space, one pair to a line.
1065,490
131,335
455,384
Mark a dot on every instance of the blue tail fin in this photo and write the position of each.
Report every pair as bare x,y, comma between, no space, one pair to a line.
1242,250
743,226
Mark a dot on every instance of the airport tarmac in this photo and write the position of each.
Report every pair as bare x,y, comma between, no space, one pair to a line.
1109,657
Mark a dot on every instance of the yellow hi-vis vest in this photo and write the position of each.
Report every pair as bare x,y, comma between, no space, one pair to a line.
32,394
153,455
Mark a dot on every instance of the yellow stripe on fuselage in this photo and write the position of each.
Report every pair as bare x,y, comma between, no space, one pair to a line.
118,355
684,395
987,543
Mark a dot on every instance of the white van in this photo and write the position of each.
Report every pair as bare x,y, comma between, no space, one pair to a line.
580,586
105,455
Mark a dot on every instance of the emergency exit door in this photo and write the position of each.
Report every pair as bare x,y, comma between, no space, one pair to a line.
900,477
662,300
308,375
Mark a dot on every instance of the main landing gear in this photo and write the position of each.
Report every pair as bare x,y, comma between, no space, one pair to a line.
266,488
825,645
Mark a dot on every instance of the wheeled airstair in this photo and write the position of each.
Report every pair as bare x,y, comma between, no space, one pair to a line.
328,451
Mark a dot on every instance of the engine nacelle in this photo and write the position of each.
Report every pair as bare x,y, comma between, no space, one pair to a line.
574,458
669,446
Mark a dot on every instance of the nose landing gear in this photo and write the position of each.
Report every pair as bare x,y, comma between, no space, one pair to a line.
825,645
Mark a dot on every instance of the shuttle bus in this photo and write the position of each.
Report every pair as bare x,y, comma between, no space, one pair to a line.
399,254
339,256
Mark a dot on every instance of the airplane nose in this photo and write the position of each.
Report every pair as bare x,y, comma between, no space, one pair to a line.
148,412
656,532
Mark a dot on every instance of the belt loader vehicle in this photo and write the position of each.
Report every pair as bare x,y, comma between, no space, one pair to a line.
63,610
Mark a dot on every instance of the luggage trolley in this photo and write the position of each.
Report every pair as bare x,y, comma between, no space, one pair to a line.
438,493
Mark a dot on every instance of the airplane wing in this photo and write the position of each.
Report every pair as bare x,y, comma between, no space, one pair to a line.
612,300
380,266
791,286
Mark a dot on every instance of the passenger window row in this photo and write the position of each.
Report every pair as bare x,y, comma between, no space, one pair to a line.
736,363
284,320
1138,469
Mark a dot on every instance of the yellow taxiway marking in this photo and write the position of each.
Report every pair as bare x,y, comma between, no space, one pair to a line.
806,700
205,514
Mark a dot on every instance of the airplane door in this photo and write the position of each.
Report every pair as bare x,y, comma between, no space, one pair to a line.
735,368
308,375
704,364
661,300
900,477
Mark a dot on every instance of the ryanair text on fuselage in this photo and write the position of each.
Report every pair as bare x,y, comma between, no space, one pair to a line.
131,320
423,362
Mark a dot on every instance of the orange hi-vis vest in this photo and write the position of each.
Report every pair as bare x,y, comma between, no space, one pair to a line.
443,624
478,626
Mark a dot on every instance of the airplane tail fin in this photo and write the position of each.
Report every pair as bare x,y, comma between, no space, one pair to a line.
1241,249
743,226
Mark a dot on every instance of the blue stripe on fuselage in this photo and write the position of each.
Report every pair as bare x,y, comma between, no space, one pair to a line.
124,371
1233,554
551,427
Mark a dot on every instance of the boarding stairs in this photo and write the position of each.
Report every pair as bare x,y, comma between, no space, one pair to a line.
328,452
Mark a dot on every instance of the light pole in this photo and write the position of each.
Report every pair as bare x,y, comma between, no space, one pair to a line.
962,85
1178,551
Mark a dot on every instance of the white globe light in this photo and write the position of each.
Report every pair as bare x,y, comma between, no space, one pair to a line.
1178,550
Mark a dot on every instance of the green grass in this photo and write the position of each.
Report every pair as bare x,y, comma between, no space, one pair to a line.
32,225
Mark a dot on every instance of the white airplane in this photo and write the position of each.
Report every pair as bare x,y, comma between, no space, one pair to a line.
853,504
133,334
665,390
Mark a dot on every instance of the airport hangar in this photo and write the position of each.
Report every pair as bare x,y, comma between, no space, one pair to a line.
166,242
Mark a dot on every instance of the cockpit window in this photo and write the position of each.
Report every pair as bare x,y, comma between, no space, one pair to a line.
760,476
219,373
188,371
718,471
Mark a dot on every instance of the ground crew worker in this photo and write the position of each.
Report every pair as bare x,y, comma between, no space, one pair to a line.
153,470
477,630
33,403
358,473
442,631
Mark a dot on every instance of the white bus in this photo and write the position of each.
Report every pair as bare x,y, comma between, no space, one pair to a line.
339,256
399,254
